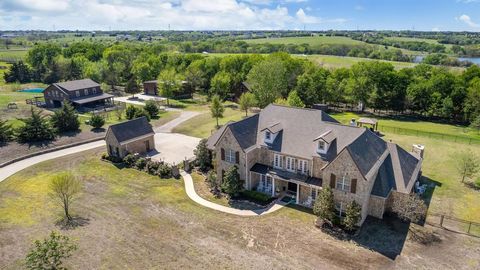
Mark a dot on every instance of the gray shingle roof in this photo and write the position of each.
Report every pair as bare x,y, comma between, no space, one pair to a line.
385,180
76,85
131,129
366,150
245,131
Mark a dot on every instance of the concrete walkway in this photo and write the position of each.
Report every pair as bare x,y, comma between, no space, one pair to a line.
184,116
190,189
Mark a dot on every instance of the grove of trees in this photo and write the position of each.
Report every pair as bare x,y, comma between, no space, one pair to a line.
426,90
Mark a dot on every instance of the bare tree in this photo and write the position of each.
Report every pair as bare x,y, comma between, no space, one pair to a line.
467,164
65,188
410,208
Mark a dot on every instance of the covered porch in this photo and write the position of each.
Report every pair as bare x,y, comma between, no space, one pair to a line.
97,102
302,189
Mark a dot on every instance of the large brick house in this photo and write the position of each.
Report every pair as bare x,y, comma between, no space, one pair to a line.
296,152
81,93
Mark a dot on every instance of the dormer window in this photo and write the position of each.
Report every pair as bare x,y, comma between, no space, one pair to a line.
321,146
268,136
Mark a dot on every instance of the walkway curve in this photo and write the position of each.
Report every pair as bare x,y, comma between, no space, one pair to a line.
190,189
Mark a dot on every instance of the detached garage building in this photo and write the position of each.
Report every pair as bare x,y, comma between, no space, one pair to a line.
130,137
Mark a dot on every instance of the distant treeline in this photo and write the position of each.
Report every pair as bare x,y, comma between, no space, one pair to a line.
425,89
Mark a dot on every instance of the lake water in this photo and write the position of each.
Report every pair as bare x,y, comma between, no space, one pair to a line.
475,60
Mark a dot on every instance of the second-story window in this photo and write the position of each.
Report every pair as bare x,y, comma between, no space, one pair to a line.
268,135
343,184
94,90
85,92
290,166
302,166
230,156
277,161
77,93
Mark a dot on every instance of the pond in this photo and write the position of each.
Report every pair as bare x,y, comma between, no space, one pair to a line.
32,90
475,60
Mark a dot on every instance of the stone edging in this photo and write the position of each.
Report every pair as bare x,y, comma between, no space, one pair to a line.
53,149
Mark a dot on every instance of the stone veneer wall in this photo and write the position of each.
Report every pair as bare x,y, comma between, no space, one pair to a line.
376,206
228,141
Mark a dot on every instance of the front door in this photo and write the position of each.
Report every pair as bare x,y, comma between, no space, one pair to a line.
147,146
292,187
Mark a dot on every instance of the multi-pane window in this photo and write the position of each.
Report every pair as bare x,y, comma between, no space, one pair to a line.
321,145
85,92
77,93
343,183
268,135
230,156
340,208
277,161
314,194
302,166
290,166
94,90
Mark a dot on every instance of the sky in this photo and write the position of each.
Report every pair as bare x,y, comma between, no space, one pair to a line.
423,15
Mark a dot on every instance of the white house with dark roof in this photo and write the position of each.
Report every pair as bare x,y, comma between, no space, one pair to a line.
286,151
81,93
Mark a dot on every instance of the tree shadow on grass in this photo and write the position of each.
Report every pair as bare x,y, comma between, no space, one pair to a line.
98,130
76,221
386,236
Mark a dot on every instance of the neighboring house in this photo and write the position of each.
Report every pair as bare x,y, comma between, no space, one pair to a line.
296,152
151,88
130,137
81,93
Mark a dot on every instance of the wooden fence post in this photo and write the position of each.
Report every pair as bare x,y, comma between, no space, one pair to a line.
441,220
469,226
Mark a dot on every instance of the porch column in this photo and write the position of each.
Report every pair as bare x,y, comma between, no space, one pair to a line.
273,187
298,193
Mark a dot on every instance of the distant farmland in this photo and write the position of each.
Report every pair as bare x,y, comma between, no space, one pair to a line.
312,41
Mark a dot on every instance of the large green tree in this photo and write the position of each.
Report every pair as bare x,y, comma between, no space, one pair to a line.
246,101
268,79
169,82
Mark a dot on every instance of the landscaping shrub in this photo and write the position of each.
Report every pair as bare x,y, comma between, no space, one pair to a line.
256,196
202,156
324,206
113,159
141,163
6,132
231,182
152,167
141,113
352,215
131,111
130,160
151,108
65,119
36,128
96,121
164,171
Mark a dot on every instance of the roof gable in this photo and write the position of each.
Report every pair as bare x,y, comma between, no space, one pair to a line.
366,150
131,129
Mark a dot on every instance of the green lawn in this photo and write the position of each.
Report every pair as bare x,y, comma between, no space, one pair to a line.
413,124
332,61
13,54
203,125
312,41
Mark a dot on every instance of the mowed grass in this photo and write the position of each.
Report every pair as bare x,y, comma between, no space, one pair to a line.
203,125
412,124
450,197
331,61
312,41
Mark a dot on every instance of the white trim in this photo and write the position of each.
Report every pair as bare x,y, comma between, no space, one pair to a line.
137,138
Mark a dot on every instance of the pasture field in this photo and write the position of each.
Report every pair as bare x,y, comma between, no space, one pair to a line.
312,41
13,55
332,61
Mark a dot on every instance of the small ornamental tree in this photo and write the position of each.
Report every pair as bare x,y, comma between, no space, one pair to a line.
50,253
294,100
352,215
97,121
231,182
246,101
132,87
64,189
65,119
152,108
6,132
467,164
409,208
36,128
213,181
217,108
324,206
202,156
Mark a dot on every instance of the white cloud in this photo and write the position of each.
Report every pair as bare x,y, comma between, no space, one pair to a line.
435,29
152,15
466,19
